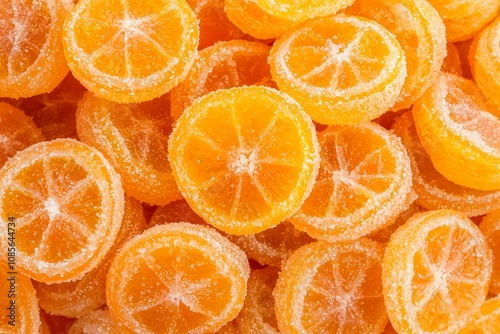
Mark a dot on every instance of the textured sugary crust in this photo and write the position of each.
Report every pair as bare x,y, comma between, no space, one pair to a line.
103,176
97,321
226,257
281,211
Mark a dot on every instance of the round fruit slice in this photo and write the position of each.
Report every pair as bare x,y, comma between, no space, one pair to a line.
244,158
77,298
129,51
433,189
341,69
31,57
421,33
490,226
458,127
223,65
181,277
66,202
332,288
364,183
134,139
17,131
486,321
435,273
20,313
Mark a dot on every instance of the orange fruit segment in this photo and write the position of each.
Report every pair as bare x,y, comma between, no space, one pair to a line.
490,226
250,18
458,127
133,137
485,65
17,298
354,72
435,272
244,158
464,18
332,288
17,131
301,10
257,314
184,268
486,321
98,321
31,58
224,65
130,51
420,31
433,189
77,298
67,204
54,112
363,184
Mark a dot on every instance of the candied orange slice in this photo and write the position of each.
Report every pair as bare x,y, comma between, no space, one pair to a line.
31,57
464,18
354,72
223,65
175,212
383,235
364,183
20,313
272,246
130,51
67,204
184,269
435,272
452,62
486,321
134,139
421,33
433,189
54,112
301,10
77,298
214,24
257,314
486,63
250,18
244,158
98,321
458,127
490,226
17,131
332,288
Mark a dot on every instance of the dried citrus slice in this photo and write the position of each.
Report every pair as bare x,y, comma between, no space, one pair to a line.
486,62
54,112
17,131
223,65
364,183
452,63
301,10
130,51
332,288
250,18
174,212
272,246
490,226
214,24
244,158
31,57
464,18
257,314
486,321
67,204
435,272
458,127
20,313
421,33
77,298
433,189
354,72
184,268
134,139
98,321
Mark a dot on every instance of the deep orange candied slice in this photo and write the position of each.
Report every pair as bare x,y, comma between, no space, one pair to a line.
490,226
